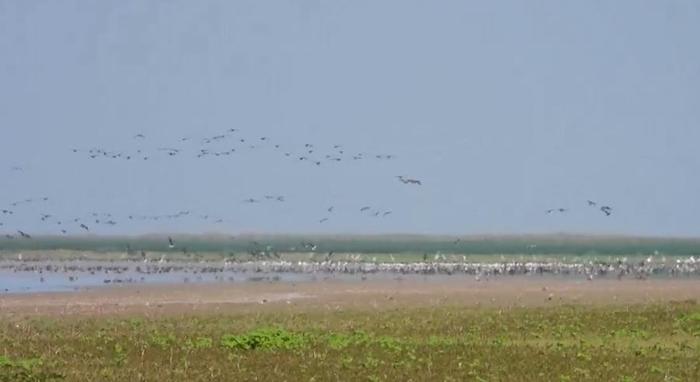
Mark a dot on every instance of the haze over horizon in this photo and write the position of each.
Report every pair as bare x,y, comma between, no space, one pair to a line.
502,110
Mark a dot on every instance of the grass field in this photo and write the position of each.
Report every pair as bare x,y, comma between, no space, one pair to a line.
450,343
371,337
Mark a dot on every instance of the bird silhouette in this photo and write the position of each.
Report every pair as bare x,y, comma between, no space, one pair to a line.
405,180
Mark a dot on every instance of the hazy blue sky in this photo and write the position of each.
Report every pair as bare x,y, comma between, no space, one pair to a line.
502,108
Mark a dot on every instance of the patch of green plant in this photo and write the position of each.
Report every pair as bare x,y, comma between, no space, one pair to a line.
22,370
690,323
265,339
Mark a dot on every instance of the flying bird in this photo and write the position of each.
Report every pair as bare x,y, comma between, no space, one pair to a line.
551,210
607,210
24,234
170,151
83,226
591,203
405,180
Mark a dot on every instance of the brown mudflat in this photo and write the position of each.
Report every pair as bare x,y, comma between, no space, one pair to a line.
336,295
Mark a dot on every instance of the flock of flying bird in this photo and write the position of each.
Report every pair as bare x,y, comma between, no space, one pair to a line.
230,143
225,144
607,210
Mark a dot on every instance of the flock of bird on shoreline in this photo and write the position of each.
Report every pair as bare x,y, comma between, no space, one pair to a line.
86,273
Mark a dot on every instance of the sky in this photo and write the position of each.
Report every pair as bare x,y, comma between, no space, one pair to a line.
502,109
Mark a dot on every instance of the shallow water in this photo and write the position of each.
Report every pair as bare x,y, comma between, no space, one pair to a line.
21,281
63,276
18,276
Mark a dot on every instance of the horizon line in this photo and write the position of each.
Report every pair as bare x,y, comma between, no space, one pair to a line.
219,235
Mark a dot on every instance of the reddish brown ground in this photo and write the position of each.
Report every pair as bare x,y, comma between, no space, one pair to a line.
334,295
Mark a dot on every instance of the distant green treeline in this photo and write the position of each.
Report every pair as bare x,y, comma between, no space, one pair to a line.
369,244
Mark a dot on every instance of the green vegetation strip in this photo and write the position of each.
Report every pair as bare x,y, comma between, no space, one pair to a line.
416,245
636,343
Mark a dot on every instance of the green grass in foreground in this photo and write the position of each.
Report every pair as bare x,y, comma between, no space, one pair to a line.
569,343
